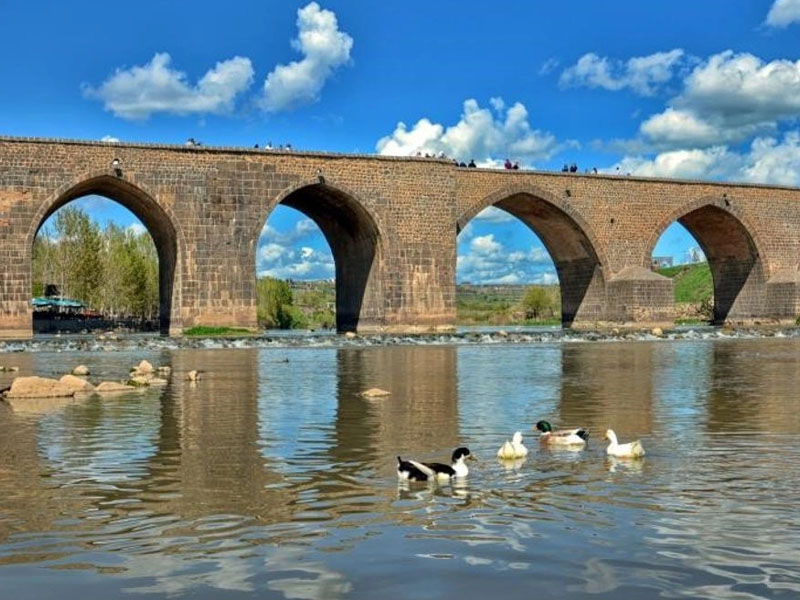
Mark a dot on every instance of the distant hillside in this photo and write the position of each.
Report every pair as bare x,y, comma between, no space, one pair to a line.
692,282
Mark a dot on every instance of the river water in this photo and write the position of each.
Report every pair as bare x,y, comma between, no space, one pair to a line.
272,478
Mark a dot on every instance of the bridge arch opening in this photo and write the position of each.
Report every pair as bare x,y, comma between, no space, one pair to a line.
720,276
576,265
333,242
130,250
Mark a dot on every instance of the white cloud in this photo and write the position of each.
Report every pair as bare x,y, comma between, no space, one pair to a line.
783,13
137,228
109,139
485,245
486,260
769,160
269,253
479,134
642,74
302,229
728,98
548,66
492,214
324,48
141,91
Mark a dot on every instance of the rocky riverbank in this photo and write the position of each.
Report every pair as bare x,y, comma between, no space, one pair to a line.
306,340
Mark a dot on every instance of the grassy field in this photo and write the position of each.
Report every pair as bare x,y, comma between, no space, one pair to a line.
692,282
494,306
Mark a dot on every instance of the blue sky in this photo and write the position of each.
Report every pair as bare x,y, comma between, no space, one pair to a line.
674,89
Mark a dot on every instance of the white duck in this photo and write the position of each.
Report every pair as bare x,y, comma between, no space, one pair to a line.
630,450
513,449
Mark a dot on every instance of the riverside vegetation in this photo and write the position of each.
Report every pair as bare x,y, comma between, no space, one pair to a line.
114,271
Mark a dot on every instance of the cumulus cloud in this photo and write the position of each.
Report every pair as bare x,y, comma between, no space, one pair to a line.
484,259
141,91
302,229
480,134
783,13
324,48
492,214
288,254
728,98
275,260
109,139
642,74
769,160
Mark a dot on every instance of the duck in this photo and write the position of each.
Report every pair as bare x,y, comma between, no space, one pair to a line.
630,450
412,470
513,449
563,437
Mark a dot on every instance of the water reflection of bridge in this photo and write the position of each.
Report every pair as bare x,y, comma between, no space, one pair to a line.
204,450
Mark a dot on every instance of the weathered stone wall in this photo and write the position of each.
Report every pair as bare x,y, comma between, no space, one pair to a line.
392,226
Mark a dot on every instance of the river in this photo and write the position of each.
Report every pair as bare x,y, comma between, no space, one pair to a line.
272,478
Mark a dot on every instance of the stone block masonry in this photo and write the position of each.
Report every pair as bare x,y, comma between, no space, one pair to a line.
392,225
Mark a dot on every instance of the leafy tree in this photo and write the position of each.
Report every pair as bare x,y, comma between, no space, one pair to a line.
274,308
113,271
536,302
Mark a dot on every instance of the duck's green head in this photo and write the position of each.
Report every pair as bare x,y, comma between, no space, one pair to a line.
544,426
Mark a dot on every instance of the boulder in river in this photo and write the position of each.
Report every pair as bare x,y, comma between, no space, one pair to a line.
76,383
80,370
39,387
375,393
113,387
143,368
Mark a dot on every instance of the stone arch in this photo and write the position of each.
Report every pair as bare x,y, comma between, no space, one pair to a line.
159,221
353,234
579,259
733,250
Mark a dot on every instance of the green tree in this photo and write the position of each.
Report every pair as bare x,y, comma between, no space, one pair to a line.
114,271
274,303
537,302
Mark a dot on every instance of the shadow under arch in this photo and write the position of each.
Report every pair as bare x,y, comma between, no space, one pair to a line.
732,252
354,238
160,225
570,242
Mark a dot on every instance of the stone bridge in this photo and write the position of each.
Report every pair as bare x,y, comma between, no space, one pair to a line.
392,224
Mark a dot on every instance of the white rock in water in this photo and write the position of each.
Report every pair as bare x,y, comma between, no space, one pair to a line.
192,376
657,331
80,370
351,335
375,393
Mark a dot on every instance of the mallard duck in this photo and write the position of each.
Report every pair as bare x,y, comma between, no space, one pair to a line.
630,450
412,470
562,437
513,449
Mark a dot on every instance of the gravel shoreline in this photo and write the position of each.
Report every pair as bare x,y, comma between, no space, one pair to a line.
123,342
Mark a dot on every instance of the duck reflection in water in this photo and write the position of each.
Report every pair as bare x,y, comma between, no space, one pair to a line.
614,465
454,488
